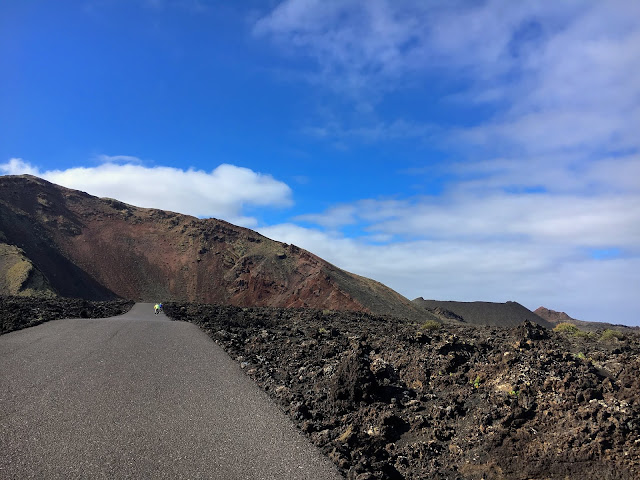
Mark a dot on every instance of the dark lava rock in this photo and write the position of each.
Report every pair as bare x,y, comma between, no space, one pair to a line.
23,312
464,403
531,331
353,381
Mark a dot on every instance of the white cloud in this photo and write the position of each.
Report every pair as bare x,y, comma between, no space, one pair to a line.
553,173
222,192
569,221
367,44
335,217
618,174
579,94
126,159
374,131
531,273
354,45
537,249
17,166
565,75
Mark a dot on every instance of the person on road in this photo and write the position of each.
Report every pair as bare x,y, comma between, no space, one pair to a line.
156,308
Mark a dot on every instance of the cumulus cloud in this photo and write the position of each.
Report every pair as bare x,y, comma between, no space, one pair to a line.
345,39
366,44
222,193
529,272
374,131
17,166
118,159
564,76
535,248
572,220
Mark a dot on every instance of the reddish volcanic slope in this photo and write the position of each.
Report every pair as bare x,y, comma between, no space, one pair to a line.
553,316
98,248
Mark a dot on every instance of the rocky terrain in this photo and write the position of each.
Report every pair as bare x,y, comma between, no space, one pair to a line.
387,398
58,241
23,312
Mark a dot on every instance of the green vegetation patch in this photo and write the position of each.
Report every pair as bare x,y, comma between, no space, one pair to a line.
566,328
477,382
431,325
610,334
570,329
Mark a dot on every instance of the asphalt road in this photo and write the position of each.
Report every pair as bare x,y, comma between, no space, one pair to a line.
139,396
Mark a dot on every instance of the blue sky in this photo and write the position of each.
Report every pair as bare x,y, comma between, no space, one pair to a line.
454,150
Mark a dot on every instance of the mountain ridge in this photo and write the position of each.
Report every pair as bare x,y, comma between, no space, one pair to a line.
508,314
101,248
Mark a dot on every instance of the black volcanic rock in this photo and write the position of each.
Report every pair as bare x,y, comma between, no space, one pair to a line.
21,312
464,402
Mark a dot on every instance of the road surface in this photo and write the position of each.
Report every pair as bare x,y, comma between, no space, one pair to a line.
139,396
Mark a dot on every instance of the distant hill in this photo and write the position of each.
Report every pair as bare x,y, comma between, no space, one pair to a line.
552,316
54,240
507,314
555,318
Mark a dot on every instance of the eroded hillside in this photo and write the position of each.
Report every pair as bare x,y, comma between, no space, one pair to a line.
99,248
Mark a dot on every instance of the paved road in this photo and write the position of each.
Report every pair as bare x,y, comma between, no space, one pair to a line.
139,396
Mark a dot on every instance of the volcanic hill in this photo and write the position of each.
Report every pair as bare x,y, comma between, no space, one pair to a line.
509,314
58,241
555,318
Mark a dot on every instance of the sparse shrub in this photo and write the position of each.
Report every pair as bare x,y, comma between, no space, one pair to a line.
610,334
566,328
431,325
570,329
580,356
